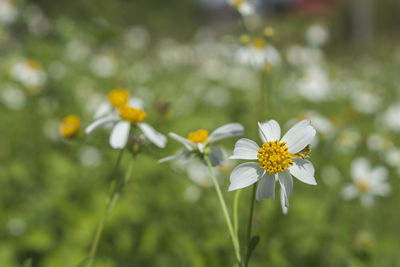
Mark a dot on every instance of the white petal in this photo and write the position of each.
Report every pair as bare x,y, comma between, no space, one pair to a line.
367,200
245,149
226,131
283,200
303,170
188,144
349,192
155,137
299,136
266,187
360,169
104,109
136,103
378,174
97,123
216,156
269,131
119,134
244,175
382,189
173,157
286,182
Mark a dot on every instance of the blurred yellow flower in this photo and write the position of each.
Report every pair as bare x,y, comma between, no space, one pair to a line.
118,97
259,43
269,32
70,126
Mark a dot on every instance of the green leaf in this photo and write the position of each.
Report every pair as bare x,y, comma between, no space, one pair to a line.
252,245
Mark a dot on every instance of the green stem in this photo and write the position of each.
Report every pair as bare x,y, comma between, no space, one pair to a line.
235,212
108,208
249,224
235,240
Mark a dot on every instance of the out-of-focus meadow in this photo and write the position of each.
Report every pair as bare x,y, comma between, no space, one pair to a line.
333,62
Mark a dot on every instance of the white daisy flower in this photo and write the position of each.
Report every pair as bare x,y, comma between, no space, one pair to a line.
277,160
201,143
258,54
245,8
8,11
122,113
317,35
367,182
29,73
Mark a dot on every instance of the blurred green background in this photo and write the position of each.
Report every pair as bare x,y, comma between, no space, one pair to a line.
180,58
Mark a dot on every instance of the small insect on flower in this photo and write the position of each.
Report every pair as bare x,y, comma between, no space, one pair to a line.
123,112
277,160
202,144
367,182
70,126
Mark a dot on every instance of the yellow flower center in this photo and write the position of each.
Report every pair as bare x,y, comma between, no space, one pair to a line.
70,126
244,39
259,43
199,136
269,32
274,157
363,186
33,64
237,3
118,97
131,114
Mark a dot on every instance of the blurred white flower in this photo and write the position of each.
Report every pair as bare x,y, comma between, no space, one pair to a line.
392,157
391,117
199,173
38,23
13,97
314,85
202,144
28,73
244,7
192,193
123,113
367,182
57,70
298,55
277,160
317,35
8,11
89,156
322,124
77,51
103,66
136,37
258,54
379,143
366,102
348,140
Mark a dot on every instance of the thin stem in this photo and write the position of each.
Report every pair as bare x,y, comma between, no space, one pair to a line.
250,223
108,207
235,212
234,237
